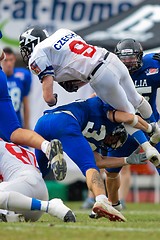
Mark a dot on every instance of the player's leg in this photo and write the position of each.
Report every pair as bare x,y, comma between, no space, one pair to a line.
89,201
125,178
112,186
86,163
18,202
113,85
28,195
129,146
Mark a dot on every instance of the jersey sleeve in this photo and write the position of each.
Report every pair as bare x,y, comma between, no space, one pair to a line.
8,120
3,86
40,65
152,67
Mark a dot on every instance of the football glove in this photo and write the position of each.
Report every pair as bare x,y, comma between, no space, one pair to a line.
156,56
69,86
136,157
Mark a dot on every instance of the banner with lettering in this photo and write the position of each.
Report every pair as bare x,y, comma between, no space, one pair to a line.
53,14
142,23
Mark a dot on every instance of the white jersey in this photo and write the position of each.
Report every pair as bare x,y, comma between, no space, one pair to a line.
15,159
65,56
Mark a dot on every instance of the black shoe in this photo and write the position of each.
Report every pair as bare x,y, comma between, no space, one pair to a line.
69,217
93,215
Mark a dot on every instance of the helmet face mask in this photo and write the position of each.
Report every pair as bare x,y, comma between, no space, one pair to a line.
29,39
115,139
25,53
130,52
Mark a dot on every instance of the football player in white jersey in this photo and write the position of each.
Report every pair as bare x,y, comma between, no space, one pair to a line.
23,189
66,58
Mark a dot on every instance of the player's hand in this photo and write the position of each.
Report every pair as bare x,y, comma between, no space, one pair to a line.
56,99
136,157
69,86
156,56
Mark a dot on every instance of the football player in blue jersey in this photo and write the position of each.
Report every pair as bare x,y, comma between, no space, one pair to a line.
19,84
82,126
145,73
10,129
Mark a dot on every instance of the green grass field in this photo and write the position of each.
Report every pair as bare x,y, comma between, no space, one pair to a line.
143,223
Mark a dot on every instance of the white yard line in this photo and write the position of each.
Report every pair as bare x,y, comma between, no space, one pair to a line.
76,226
106,229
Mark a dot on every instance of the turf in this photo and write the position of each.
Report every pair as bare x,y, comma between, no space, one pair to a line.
143,221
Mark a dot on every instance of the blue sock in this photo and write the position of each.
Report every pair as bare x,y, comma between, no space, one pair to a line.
36,204
139,137
151,119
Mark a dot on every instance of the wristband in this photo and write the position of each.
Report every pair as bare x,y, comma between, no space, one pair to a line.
125,161
113,115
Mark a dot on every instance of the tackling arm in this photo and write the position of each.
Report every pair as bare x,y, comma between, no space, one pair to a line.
26,112
111,162
118,116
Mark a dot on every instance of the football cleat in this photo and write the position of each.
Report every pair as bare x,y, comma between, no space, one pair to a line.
153,156
155,134
57,162
93,215
117,206
69,217
57,209
14,217
107,211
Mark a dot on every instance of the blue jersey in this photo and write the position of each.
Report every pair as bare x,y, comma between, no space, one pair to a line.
75,125
147,82
19,84
8,120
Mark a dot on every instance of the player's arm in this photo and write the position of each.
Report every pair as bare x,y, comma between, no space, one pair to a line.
131,119
47,87
111,162
26,112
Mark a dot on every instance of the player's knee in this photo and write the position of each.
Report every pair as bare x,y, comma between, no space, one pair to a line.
4,196
86,167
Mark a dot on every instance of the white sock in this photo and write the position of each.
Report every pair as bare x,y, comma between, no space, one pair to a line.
149,128
44,206
44,146
146,145
145,109
101,198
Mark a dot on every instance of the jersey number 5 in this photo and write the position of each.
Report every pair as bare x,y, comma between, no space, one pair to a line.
80,47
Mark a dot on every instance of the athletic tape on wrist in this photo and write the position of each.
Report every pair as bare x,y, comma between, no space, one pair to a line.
135,121
125,161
